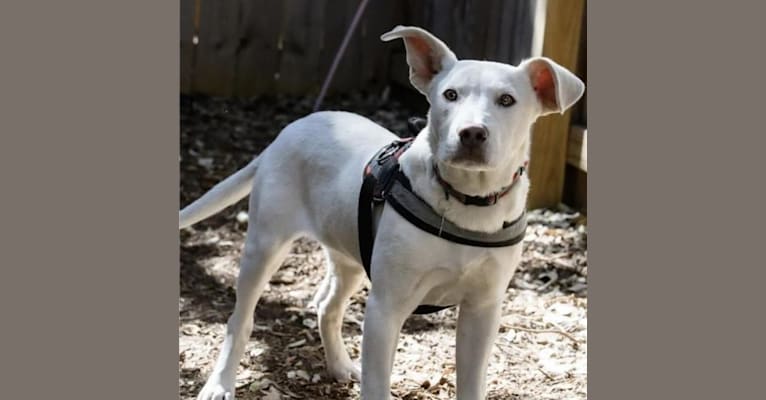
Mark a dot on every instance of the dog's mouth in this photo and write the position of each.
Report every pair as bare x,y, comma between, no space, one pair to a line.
470,159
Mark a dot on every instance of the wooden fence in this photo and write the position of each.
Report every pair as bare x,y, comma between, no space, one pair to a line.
254,47
564,42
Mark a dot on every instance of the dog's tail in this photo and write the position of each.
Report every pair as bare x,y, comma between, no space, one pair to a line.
222,195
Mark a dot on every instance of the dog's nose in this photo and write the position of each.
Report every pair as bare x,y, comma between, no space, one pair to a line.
473,136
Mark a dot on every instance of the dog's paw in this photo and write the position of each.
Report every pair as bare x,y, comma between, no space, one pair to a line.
345,372
214,390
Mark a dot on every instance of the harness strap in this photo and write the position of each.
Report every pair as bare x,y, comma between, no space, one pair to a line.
364,222
384,181
372,193
416,211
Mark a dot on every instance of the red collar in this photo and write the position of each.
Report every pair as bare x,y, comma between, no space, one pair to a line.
481,201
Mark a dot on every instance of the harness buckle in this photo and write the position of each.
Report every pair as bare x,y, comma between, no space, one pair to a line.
387,153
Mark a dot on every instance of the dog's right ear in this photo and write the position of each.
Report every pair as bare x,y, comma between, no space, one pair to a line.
556,87
426,54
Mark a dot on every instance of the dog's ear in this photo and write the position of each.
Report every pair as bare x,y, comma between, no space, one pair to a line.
426,55
556,87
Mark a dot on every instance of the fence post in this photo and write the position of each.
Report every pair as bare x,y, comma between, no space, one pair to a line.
563,27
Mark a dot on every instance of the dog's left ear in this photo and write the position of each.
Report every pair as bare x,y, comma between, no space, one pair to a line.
426,54
556,87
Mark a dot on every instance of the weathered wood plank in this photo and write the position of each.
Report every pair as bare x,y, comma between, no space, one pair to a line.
348,76
316,26
549,140
521,15
397,65
251,47
576,189
539,11
494,23
417,13
337,18
215,63
378,19
509,31
413,13
299,64
580,113
258,55
473,15
187,44
439,17
577,148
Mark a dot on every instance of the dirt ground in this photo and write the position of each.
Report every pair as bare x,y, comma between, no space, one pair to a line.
540,352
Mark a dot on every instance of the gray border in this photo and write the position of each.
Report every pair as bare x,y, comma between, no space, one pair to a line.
675,250
89,172
88,161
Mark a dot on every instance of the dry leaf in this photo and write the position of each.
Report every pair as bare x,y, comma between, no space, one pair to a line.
272,394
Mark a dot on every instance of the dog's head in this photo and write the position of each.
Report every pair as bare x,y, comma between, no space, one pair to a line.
481,111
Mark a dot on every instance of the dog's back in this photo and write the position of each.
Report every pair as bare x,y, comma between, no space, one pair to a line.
307,181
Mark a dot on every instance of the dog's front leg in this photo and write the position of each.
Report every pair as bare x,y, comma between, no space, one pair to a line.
476,331
383,319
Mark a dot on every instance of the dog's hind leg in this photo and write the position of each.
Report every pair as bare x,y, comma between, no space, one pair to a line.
342,280
262,256
324,286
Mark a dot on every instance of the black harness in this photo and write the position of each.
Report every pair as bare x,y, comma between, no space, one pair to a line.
384,181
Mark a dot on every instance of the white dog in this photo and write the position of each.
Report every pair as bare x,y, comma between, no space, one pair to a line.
307,182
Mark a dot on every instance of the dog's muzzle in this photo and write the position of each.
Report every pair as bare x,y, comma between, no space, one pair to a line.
472,148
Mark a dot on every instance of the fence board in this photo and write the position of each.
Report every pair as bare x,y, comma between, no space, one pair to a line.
438,19
509,31
258,55
413,13
355,51
474,14
576,189
369,56
348,75
577,148
243,45
492,46
519,29
336,25
298,68
380,17
316,43
187,45
215,62
580,114
549,140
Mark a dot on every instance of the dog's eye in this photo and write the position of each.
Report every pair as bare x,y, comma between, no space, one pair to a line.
506,100
450,94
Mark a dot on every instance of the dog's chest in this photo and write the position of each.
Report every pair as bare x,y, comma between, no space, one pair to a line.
449,272
462,272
